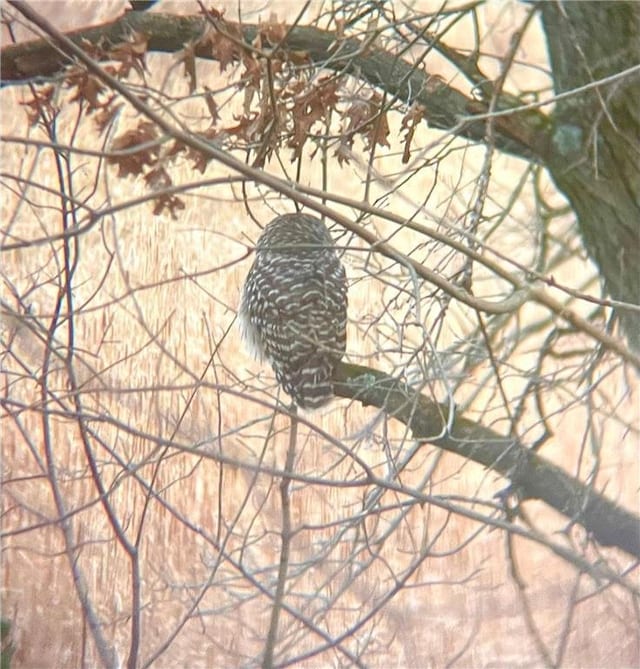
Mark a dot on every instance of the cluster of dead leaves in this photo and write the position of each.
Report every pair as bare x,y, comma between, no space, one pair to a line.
366,117
310,103
138,152
119,61
282,104
287,113
286,103
134,149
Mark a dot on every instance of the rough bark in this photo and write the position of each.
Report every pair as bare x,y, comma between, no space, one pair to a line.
595,137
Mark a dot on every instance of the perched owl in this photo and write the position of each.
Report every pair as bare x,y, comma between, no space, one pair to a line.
294,306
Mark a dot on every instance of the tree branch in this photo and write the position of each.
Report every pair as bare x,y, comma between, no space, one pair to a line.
532,476
446,108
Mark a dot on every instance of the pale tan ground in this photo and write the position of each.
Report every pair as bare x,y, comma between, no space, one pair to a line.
177,283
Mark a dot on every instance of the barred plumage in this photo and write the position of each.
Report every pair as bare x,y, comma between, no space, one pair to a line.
294,306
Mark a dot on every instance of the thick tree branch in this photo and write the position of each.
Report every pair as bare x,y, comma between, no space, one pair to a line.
445,107
532,476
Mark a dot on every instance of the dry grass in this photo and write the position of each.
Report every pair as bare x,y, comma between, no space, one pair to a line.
159,357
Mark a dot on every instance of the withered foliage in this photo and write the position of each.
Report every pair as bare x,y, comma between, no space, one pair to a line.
287,103
40,102
135,155
367,118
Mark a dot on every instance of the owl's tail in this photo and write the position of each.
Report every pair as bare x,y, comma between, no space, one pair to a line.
310,385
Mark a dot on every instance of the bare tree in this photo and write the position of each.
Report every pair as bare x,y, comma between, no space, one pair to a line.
469,497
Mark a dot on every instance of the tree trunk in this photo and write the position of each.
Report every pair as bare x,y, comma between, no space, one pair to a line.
595,147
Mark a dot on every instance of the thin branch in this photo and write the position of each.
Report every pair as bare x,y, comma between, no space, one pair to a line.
285,547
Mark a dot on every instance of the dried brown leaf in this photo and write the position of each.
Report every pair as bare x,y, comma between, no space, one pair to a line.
223,41
343,152
246,127
200,159
253,72
171,202
104,116
134,160
273,32
158,178
410,122
313,104
212,105
42,98
87,88
130,54
367,119
188,59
